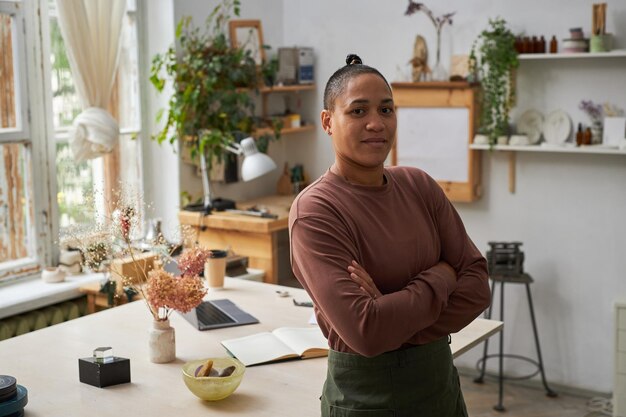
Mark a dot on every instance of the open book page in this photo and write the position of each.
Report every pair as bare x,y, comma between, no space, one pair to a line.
307,342
258,348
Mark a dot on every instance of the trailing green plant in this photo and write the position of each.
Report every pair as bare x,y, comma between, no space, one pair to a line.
210,103
493,60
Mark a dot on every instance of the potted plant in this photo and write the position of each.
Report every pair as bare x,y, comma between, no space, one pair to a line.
493,60
210,107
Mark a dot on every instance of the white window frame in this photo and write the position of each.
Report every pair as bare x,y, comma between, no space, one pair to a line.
31,130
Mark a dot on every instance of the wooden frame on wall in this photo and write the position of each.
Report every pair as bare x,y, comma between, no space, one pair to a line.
248,34
426,140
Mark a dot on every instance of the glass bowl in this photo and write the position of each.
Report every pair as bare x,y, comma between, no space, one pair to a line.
211,388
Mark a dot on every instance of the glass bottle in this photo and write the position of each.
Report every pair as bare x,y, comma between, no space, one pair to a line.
553,45
579,135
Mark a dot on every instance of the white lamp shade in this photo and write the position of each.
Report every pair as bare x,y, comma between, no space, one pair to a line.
255,164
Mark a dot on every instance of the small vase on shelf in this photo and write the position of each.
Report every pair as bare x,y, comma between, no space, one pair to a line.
162,342
439,73
596,133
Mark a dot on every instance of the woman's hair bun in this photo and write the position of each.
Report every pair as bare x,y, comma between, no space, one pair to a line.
353,59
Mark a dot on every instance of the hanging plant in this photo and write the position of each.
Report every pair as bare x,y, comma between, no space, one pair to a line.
493,60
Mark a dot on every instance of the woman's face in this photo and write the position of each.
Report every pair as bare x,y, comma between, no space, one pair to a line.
362,123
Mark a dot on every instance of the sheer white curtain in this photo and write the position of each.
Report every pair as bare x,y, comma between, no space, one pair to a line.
91,30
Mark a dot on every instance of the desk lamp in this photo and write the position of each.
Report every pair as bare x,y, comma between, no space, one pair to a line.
254,165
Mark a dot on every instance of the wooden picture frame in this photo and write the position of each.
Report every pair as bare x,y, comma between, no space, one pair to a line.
248,34
436,125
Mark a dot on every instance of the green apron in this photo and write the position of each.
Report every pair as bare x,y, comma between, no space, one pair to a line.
420,381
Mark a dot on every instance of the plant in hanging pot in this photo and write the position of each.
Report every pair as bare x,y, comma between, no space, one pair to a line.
210,106
493,60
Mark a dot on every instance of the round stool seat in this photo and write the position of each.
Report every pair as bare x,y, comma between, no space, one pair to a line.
514,279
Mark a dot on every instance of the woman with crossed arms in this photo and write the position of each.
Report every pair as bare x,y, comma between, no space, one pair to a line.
387,261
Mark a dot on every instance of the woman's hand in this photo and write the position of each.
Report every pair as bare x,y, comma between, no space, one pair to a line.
363,279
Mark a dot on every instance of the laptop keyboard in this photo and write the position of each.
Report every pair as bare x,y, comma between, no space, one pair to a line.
209,314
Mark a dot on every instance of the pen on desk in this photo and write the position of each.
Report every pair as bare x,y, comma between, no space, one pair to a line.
261,214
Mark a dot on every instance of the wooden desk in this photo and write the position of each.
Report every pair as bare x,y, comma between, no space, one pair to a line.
264,241
97,300
46,362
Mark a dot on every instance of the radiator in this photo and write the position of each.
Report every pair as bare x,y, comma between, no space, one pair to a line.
43,317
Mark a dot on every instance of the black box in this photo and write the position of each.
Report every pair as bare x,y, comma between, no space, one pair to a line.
101,375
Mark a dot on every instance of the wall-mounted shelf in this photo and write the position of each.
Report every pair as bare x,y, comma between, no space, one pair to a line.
512,150
593,149
285,130
287,88
578,55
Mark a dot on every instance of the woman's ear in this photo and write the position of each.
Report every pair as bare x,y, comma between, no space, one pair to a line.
326,118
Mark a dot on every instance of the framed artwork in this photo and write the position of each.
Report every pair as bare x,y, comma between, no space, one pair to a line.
248,34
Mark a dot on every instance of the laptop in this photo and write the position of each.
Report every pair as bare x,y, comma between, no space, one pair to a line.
214,314
217,314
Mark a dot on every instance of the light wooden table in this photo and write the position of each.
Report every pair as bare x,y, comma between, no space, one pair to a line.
264,241
46,362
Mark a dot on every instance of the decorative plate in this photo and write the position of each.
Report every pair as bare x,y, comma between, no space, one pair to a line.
557,127
531,124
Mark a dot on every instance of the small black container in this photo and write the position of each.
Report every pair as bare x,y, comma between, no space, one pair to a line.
99,374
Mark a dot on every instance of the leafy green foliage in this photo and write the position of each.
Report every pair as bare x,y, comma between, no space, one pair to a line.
211,80
494,64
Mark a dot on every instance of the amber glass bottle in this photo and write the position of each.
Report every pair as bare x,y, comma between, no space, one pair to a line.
553,45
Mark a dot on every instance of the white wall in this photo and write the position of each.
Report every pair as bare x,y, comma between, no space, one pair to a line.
569,210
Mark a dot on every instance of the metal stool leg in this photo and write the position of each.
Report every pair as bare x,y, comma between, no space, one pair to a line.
481,378
549,392
500,406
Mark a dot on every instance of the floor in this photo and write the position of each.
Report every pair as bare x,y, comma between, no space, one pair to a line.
520,401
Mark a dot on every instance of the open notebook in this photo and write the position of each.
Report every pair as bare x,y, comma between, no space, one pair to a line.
280,344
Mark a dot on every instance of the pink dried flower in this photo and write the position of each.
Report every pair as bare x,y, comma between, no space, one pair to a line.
165,291
191,261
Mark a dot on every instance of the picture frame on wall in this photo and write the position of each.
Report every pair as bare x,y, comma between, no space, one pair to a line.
248,34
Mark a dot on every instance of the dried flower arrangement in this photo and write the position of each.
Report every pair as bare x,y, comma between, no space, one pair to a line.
438,21
115,238
438,72
594,111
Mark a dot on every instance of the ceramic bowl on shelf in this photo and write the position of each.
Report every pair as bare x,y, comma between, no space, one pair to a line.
213,388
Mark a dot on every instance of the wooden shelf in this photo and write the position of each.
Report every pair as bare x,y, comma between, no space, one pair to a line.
574,55
285,130
594,149
287,88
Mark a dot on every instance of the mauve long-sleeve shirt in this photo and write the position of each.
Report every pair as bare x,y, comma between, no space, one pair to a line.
400,233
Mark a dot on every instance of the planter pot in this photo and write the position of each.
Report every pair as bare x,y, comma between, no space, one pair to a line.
503,140
162,342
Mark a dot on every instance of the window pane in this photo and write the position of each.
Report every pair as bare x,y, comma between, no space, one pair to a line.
8,97
130,165
128,77
16,209
76,192
65,102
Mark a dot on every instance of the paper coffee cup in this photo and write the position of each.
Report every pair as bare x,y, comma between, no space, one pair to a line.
215,268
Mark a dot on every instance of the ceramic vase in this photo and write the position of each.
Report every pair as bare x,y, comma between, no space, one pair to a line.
162,342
